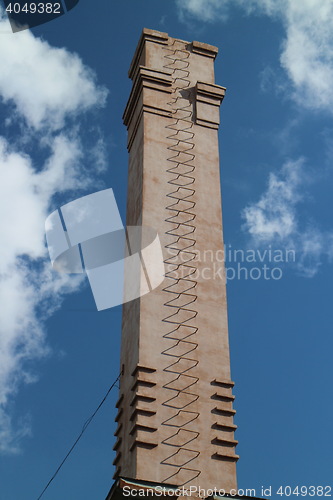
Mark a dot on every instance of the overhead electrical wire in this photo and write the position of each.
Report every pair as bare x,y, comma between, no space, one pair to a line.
84,428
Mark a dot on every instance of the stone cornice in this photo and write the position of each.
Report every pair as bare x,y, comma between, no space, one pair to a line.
146,35
212,94
204,49
208,100
140,101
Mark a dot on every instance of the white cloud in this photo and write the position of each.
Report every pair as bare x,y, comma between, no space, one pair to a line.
307,49
46,84
274,215
205,10
44,87
28,294
10,438
273,219
25,195
307,60
307,53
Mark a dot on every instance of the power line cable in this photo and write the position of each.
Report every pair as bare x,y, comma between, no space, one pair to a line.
84,428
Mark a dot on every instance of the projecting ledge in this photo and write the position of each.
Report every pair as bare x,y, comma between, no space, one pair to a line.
150,79
147,35
208,100
204,49
150,93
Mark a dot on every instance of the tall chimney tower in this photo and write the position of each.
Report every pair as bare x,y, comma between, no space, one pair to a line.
175,410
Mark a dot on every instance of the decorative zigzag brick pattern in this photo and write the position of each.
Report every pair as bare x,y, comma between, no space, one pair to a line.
181,287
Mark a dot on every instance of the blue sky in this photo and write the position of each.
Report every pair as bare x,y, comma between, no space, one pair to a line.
63,90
